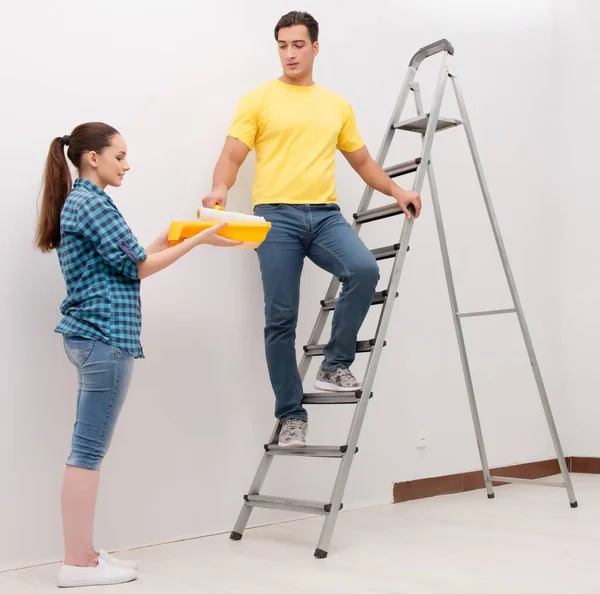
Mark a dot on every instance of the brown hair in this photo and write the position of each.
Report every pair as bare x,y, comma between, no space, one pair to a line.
57,182
296,17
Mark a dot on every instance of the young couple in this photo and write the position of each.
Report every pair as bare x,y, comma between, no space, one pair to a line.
295,127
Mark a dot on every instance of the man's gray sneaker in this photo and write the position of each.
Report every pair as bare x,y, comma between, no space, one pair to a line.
293,433
340,379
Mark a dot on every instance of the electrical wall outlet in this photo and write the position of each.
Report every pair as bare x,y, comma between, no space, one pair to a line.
422,439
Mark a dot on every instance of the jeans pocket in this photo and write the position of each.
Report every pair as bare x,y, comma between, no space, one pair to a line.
267,207
78,349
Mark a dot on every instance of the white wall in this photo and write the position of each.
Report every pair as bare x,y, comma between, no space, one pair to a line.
577,80
200,408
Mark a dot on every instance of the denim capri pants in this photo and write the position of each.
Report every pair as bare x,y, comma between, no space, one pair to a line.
104,373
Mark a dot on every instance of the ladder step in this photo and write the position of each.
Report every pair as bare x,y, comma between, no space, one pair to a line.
376,214
419,124
378,299
491,312
288,504
308,451
362,346
384,253
333,397
403,168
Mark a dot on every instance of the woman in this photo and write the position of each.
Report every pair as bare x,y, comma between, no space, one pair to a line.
102,264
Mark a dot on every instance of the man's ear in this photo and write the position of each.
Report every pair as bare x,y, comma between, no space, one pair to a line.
315,48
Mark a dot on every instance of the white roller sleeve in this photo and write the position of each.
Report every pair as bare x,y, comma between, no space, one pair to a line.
212,214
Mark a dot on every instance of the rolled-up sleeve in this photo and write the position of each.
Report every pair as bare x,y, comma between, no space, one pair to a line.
105,227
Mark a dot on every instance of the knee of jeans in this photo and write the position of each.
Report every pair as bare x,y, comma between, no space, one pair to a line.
365,274
281,320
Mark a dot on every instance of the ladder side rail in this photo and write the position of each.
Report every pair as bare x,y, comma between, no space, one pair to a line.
359,414
454,307
513,290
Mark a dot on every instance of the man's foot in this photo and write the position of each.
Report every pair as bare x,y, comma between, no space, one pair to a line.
340,379
103,574
293,433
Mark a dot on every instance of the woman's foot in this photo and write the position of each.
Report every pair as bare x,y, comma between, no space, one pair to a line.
103,574
116,561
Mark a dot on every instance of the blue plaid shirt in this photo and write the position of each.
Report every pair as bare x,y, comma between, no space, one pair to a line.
98,255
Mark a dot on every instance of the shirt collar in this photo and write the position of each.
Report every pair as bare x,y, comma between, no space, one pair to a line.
80,182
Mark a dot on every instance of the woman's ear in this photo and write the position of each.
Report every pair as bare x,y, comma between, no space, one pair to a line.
92,159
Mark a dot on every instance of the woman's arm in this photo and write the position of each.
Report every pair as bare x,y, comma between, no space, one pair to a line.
159,260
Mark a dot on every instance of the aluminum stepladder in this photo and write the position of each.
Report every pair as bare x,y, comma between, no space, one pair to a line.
426,125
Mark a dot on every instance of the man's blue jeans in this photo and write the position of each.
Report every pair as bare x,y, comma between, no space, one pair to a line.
321,233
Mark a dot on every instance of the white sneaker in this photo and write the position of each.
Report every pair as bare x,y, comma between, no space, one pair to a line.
104,574
116,561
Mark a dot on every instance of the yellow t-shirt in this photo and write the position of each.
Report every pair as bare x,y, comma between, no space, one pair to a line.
295,131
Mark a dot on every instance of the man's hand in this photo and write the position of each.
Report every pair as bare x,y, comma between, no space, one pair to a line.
406,199
216,197
232,156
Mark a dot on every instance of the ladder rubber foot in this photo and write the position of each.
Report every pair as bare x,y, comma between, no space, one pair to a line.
491,495
235,536
574,504
320,553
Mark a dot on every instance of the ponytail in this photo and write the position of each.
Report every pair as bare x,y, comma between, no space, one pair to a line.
92,136
56,187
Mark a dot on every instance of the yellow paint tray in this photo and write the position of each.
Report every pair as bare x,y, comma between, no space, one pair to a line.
251,233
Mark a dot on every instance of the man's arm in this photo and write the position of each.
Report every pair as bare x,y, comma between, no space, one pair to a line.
374,176
232,156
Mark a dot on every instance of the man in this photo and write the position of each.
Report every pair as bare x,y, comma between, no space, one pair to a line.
295,127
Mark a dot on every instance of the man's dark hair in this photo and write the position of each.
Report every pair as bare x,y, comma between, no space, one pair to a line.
296,17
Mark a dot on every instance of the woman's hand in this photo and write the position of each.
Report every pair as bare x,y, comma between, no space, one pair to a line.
159,244
210,237
167,255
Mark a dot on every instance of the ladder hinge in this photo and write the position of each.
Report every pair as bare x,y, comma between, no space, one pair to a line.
344,449
359,394
327,507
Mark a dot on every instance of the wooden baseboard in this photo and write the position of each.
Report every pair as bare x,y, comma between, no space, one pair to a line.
469,481
584,465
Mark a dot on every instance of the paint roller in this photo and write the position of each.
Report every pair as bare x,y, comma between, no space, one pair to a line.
219,214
